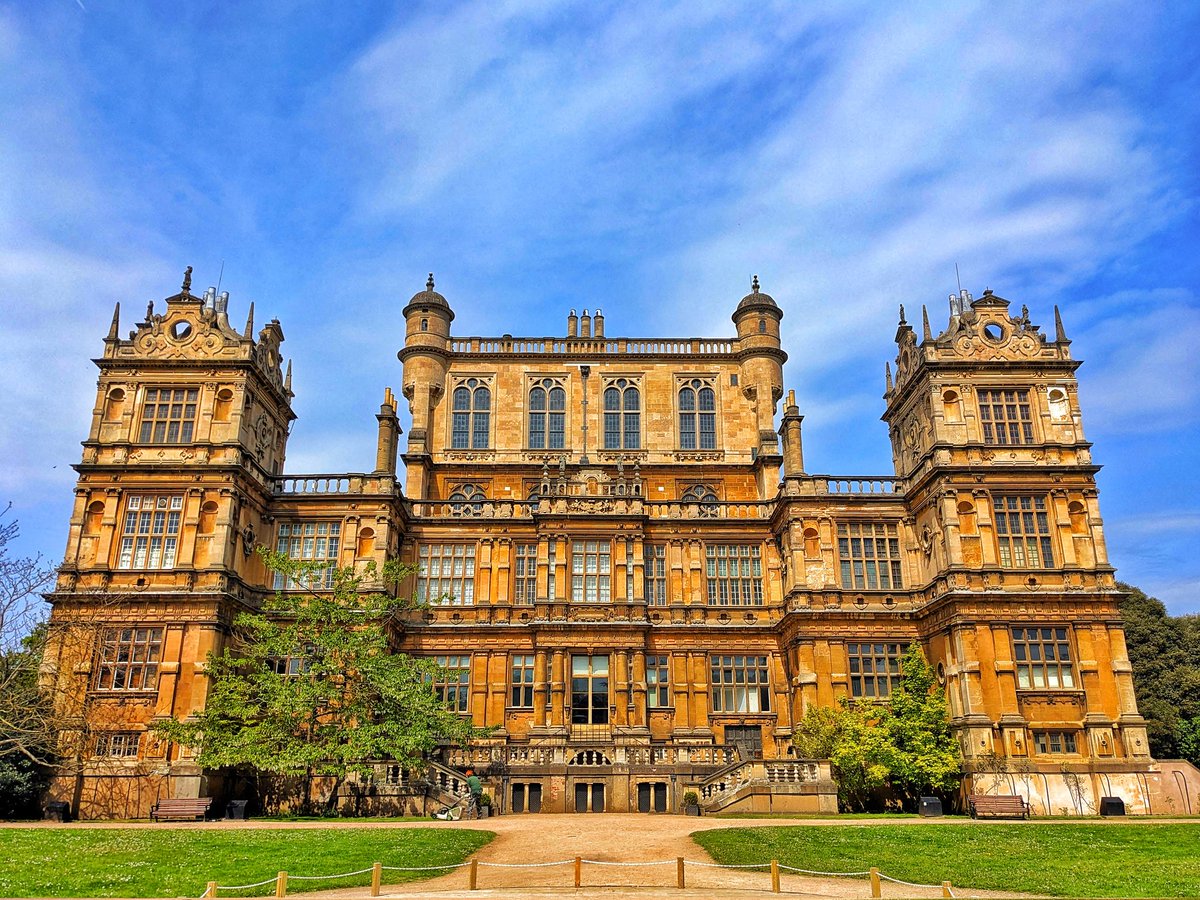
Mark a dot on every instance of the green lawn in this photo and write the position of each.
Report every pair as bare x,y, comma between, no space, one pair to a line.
1078,859
178,862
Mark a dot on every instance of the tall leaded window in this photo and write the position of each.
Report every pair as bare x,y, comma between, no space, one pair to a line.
524,573
1023,531
591,571
169,415
471,415
1043,658
446,574
129,659
869,554
150,531
874,668
656,574
740,684
547,415
452,682
622,416
1005,417
658,681
521,682
309,542
697,416
734,574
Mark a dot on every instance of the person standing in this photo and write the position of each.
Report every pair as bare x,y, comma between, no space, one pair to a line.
475,788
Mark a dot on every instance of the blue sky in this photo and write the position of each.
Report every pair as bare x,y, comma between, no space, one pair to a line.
644,158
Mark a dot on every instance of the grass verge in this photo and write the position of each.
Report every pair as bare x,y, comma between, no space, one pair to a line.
1075,860
178,862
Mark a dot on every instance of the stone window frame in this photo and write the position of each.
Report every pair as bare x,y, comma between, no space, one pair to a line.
658,681
520,681
452,682
320,545
1031,512
447,552
128,659
524,569
599,549
855,568
694,431
473,412
466,500
656,575
1014,426
724,587
629,421
1043,659
740,683
874,667
1056,742
170,419
547,383
117,745
151,527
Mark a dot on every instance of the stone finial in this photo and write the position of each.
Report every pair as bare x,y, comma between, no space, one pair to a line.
287,379
903,321
116,319
887,374
1060,333
149,310
429,282
754,285
249,333
928,334
187,281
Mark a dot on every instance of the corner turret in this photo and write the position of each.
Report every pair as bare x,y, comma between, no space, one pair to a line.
425,357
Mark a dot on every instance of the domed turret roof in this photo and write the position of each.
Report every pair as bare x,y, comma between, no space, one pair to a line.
429,298
756,299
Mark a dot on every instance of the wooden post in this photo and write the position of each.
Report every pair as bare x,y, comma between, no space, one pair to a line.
679,879
281,884
876,889
578,870
376,878
946,892
211,889
775,876
473,876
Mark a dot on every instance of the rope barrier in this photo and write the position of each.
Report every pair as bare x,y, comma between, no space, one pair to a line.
561,862
603,862
708,865
826,874
321,877
907,883
422,868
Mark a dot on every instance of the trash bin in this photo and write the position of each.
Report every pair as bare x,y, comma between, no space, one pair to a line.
58,811
1112,806
236,809
931,806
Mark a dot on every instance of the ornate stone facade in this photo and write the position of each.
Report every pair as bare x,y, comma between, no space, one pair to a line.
630,573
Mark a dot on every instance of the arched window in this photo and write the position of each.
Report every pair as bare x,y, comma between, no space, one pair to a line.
622,416
697,416
471,415
547,416
703,495
467,500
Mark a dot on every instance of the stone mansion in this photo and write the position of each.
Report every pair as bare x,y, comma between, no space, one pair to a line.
631,575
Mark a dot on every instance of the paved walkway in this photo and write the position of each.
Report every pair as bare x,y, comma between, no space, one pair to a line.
625,838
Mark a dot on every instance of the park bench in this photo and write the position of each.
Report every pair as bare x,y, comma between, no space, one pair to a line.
194,808
998,806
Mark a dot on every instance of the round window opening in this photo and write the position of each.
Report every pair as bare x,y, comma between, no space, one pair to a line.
993,332
181,330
